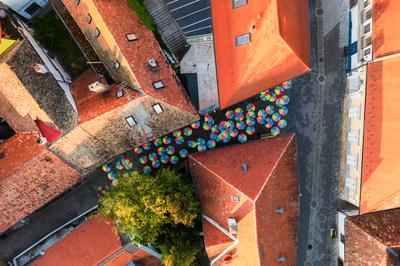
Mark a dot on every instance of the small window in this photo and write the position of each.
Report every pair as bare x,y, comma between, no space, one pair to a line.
367,51
119,94
158,85
236,198
88,18
158,109
130,121
242,39
342,239
97,32
117,65
238,3
132,37
77,2
367,28
366,3
32,9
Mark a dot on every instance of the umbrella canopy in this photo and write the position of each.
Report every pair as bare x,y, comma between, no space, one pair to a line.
147,170
112,175
164,159
275,131
157,142
177,133
240,125
250,130
283,111
242,138
187,131
156,164
138,150
170,150
269,123
202,147
153,156
282,123
276,117
206,126
107,167
196,125
250,107
233,133
147,146
143,159
192,144
183,153
269,109
119,165
161,151
250,122
179,140
229,114
166,140
211,144
174,159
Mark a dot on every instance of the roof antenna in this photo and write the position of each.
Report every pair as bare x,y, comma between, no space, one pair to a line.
244,167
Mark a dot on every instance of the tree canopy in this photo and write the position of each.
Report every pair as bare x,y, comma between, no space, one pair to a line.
161,210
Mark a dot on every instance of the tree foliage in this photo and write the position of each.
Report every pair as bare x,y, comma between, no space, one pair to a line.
161,210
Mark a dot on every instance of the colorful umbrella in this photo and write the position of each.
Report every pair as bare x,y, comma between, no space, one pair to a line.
250,107
276,117
127,163
192,144
147,170
263,96
283,111
238,111
269,123
196,125
278,90
119,165
214,129
242,138
269,109
156,164
239,117
174,159
250,130
250,122
170,150
262,112
202,147
206,126
213,136
183,153
147,146
179,140
286,85
161,151
138,150
177,133
107,167
261,120
111,175
229,114
201,141
275,131
240,125
233,133
250,114
153,156
157,142
166,140
187,131
272,98
211,144
164,159
226,139
282,123
143,159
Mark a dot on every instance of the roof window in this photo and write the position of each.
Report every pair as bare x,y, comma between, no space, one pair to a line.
117,65
77,2
158,109
158,85
132,37
119,94
242,39
88,18
130,121
238,3
236,198
97,32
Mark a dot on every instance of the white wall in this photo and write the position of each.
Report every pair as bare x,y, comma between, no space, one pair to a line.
341,220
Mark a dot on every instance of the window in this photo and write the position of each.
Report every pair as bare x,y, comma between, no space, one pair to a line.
236,198
97,32
117,65
242,39
367,28
130,121
342,239
367,51
119,94
158,109
88,18
238,3
366,3
32,9
158,85
77,2
132,37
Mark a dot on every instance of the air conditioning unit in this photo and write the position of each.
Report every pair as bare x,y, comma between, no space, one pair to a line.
98,87
39,68
152,63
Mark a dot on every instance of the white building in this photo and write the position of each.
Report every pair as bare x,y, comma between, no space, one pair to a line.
26,8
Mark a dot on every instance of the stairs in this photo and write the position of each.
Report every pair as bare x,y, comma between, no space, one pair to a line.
169,30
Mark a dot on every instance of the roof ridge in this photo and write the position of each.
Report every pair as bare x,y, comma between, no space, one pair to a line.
362,229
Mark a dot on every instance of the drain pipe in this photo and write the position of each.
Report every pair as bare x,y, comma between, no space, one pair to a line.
230,247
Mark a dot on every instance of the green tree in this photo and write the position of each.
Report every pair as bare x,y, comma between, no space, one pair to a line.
161,210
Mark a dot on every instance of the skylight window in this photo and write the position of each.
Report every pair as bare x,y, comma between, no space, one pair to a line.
77,2
119,94
242,39
132,37
238,3
88,18
130,121
158,85
117,65
97,32
158,109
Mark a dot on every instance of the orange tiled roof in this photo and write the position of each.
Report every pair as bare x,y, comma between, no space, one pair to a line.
380,167
270,182
279,49
385,35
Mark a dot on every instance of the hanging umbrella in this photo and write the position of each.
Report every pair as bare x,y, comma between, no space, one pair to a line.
153,156
119,165
238,111
206,126
261,120
174,159
179,140
282,123
111,175
157,142
229,125
272,98
107,167
226,139
283,111
285,99
229,114
269,123
143,159
214,129
269,109
286,85
147,170
196,125
278,90
164,159
250,107
250,130
177,133
114,182
161,151
239,117
275,131
138,150
276,117
262,113
250,114
170,150
156,164
183,153
263,96
233,133
166,140
187,131
211,144
147,146
213,136
201,141
127,163
250,122
202,147
192,144
242,138
240,125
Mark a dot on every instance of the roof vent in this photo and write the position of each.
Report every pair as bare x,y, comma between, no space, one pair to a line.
280,210
39,68
245,167
152,65
281,258
98,87
233,228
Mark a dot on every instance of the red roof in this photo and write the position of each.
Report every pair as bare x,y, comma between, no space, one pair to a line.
380,168
90,244
385,35
279,49
270,182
